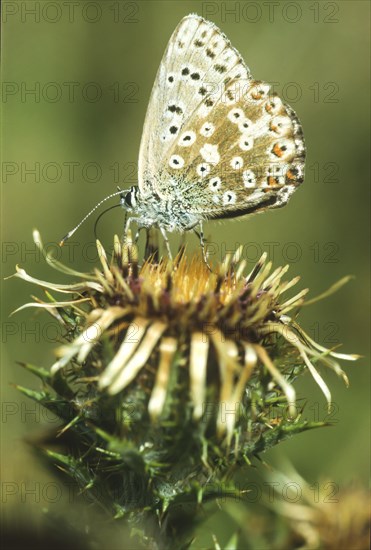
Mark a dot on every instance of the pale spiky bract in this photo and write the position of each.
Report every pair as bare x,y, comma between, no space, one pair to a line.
171,375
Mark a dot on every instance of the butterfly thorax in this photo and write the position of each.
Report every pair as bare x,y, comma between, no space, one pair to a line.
170,214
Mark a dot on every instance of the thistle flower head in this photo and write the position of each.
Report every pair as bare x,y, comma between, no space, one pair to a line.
220,327
169,368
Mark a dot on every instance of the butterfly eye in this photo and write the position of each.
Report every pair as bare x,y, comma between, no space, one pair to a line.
130,198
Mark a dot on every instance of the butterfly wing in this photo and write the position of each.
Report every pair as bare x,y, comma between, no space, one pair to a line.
220,142
254,158
184,80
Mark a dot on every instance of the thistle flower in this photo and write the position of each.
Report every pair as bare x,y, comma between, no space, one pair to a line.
174,373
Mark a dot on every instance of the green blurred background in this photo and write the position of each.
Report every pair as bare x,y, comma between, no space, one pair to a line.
92,65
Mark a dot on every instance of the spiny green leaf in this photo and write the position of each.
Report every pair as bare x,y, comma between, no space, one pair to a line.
39,396
40,372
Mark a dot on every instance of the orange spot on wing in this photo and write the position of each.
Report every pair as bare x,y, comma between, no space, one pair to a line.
257,95
274,127
277,150
271,180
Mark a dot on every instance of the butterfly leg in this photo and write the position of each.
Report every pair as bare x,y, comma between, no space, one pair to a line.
202,243
127,224
140,227
167,244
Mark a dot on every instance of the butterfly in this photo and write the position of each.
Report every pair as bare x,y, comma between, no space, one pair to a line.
216,143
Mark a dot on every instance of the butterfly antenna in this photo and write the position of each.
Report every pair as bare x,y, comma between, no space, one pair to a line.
101,215
70,233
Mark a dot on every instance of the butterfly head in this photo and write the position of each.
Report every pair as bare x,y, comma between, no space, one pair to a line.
129,199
